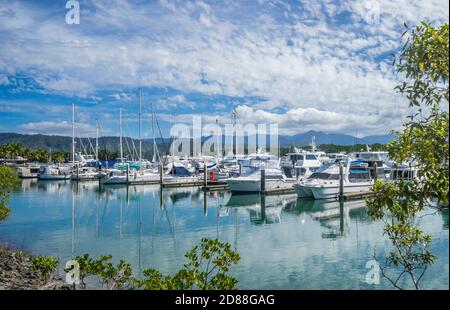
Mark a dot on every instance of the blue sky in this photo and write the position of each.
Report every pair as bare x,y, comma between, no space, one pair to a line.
307,65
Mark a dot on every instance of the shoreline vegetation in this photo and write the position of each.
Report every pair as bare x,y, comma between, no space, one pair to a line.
17,273
206,268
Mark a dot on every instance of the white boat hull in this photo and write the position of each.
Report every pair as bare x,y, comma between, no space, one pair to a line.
84,176
53,177
243,184
331,191
180,179
303,191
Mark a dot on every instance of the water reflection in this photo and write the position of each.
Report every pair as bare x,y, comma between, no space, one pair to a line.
284,242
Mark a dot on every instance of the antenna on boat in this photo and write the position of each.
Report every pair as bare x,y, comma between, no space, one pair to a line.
313,144
96,141
73,133
120,135
140,133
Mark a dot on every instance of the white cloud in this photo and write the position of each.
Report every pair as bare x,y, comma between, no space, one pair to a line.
177,101
329,68
122,96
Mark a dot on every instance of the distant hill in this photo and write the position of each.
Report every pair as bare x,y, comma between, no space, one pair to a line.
325,138
63,143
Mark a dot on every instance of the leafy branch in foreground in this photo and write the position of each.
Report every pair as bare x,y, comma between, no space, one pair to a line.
109,276
206,269
8,181
424,144
46,265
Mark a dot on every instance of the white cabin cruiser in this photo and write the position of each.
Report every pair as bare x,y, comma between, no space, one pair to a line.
325,184
28,171
300,163
84,174
250,179
177,173
119,176
54,172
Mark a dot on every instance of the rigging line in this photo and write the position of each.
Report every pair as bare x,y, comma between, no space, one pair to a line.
103,140
135,152
162,139
82,145
128,147
90,143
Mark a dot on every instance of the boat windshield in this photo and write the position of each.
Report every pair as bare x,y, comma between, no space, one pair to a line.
297,157
324,176
311,157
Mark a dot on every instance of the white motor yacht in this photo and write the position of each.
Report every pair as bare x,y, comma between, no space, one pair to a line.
326,183
54,172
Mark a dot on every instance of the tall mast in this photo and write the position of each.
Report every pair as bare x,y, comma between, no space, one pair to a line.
96,143
120,135
173,137
217,143
73,133
153,133
140,133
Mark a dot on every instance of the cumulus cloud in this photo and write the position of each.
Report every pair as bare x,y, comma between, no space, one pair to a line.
173,102
314,60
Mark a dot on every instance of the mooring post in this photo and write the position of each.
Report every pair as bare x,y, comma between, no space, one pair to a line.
240,169
128,170
263,208
205,204
78,172
263,179
205,176
341,181
161,172
375,172
341,216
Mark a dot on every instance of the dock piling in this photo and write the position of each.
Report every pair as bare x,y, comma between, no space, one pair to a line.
263,179
128,174
375,171
341,181
205,176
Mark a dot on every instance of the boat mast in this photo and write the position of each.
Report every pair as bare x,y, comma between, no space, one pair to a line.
96,143
140,133
73,133
217,142
153,134
120,135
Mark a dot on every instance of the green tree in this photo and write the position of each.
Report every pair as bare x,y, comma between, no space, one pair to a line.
424,142
8,181
207,269
46,265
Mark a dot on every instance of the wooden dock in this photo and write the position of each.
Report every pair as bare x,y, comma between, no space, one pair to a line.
216,187
279,191
182,184
359,195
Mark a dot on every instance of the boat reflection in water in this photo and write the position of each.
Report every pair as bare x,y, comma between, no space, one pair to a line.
284,242
262,209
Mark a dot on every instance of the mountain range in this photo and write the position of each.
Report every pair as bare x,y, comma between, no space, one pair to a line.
63,143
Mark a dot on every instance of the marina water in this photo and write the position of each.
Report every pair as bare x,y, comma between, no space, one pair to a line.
284,242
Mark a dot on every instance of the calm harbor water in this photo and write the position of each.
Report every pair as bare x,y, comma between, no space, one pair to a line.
284,242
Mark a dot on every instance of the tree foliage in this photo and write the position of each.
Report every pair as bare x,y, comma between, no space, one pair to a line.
46,265
15,149
424,62
8,181
207,268
424,144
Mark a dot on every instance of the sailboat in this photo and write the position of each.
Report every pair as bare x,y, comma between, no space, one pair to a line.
127,175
